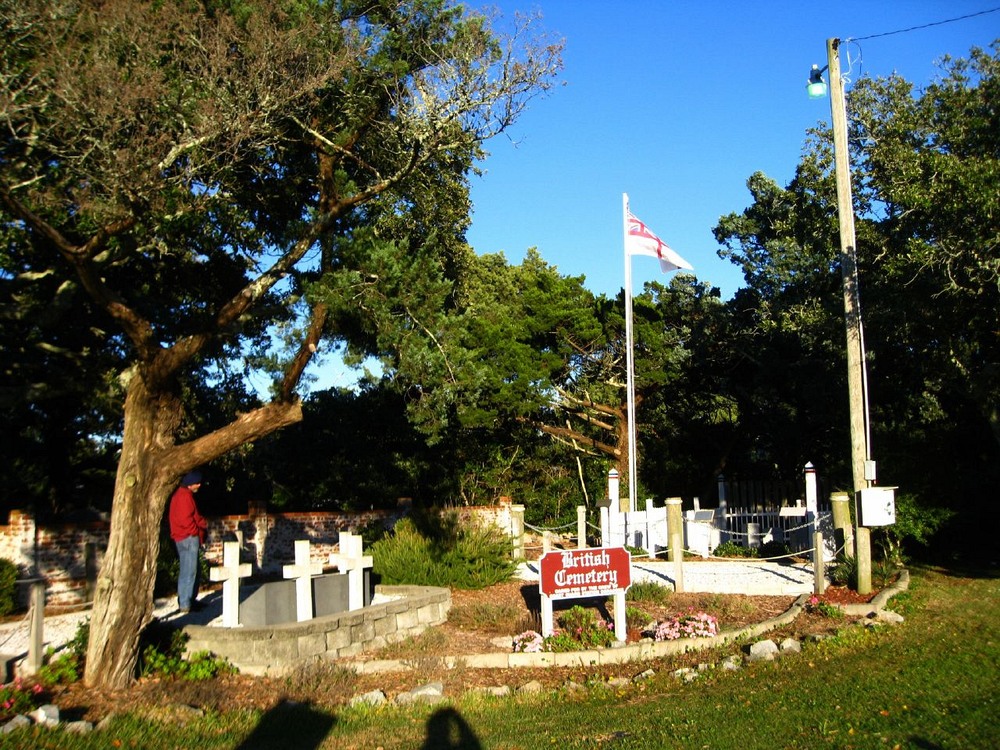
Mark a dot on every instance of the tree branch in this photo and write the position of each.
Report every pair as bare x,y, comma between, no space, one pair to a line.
246,428
309,346
570,434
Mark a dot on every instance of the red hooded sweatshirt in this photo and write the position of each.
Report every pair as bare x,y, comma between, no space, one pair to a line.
185,520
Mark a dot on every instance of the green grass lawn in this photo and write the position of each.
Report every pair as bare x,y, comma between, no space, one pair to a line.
931,682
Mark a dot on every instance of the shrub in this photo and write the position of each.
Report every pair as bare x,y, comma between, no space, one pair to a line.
580,629
815,604
916,522
60,670
19,697
844,571
733,549
636,618
8,586
444,553
167,660
773,549
686,625
583,626
649,591
884,571
78,646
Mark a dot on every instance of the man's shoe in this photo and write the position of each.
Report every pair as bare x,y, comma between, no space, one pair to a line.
184,610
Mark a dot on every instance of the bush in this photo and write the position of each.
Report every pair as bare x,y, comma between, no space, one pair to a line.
443,553
636,618
773,549
20,697
585,629
733,549
60,670
689,624
8,586
579,629
649,591
164,657
68,666
916,523
844,571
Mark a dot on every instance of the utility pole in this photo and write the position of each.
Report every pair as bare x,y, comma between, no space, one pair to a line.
856,380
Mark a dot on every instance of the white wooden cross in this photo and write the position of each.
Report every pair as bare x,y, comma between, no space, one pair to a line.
230,573
302,571
351,561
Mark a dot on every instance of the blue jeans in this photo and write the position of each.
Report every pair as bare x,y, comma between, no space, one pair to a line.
187,579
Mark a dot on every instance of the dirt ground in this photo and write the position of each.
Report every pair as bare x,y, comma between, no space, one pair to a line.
479,622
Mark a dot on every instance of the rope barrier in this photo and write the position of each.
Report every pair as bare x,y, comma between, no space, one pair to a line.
17,627
542,529
801,553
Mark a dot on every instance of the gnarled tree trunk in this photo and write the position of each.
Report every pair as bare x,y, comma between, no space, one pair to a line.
123,605
148,471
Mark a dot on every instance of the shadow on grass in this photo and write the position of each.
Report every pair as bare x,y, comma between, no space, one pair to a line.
447,730
965,569
295,726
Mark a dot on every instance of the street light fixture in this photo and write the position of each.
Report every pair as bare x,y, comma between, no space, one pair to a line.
816,86
862,468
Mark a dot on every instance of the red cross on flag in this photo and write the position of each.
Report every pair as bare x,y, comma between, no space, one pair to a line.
641,241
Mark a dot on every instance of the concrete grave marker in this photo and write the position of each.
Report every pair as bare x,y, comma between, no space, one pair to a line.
350,560
302,571
230,573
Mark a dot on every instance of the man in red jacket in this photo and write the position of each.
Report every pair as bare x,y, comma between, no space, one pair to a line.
187,529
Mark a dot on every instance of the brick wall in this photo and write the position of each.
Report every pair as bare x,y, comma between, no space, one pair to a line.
269,538
68,555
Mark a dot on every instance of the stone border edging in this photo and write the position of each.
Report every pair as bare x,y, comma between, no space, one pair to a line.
878,601
276,648
640,651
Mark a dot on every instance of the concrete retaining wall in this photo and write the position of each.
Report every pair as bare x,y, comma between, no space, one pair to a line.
277,649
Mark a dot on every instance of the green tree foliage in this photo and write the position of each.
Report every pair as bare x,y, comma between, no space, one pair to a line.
439,550
480,364
8,586
192,169
927,178
785,331
934,285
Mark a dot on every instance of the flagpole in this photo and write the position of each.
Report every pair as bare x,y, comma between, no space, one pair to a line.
629,362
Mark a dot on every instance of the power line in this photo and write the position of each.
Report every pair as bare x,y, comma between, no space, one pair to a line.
923,26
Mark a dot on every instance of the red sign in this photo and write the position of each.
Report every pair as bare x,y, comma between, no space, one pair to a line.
585,572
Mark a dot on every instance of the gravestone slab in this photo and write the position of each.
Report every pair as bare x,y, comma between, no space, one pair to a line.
331,594
273,603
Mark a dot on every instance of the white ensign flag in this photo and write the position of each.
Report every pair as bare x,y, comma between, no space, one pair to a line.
641,241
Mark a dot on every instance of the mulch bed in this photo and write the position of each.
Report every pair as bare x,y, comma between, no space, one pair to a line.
335,686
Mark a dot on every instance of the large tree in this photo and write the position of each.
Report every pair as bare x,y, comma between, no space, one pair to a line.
926,173
192,167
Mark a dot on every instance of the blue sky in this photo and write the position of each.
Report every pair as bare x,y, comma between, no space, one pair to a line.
677,104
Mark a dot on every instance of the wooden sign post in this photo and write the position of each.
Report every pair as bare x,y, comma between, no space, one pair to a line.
578,573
